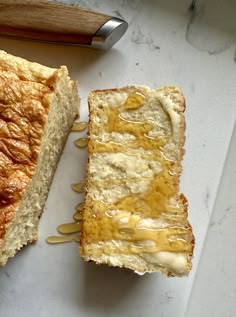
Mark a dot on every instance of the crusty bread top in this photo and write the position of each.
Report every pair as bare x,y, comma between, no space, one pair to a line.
25,93
134,215
25,70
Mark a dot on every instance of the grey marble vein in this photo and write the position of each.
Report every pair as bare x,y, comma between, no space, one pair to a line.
140,38
167,297
206,199
226,213
87,4
118,14
7,274
130,4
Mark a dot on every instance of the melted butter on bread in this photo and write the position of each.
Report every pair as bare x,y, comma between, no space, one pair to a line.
123,177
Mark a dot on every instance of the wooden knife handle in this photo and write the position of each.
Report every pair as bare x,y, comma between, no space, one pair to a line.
49,21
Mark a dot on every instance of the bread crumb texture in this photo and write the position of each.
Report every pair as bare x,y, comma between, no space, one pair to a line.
134,215
32,110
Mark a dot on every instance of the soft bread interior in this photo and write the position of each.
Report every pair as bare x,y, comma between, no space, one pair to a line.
63,108
122,165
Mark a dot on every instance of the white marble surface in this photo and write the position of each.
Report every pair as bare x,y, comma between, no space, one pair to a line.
165,44
215,286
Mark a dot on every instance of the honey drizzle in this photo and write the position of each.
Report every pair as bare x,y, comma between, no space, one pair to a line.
61,239
79,207
134,101
154,203
78,216
79,187
67,228
119,124
79,126
74,227
81,142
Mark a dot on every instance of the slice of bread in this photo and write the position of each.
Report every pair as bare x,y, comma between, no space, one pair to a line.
134,215
37,108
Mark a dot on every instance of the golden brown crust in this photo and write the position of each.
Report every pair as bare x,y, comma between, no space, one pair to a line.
27,71
27,91
23,113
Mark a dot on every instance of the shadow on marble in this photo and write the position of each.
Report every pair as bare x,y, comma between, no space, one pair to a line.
12,263
107,287
210,25
217,14
78,59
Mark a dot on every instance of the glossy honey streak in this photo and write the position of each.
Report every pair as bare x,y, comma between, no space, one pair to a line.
134,101
81,142
61,239
138,129
68,228
153,203
78,188
78,216
79,207
79,126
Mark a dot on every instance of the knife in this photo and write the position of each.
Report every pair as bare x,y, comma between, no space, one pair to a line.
58,23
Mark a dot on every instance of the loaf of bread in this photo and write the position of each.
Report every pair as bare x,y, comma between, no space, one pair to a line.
134,215
37,108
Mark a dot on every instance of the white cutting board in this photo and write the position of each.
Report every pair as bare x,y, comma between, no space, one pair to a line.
163,45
